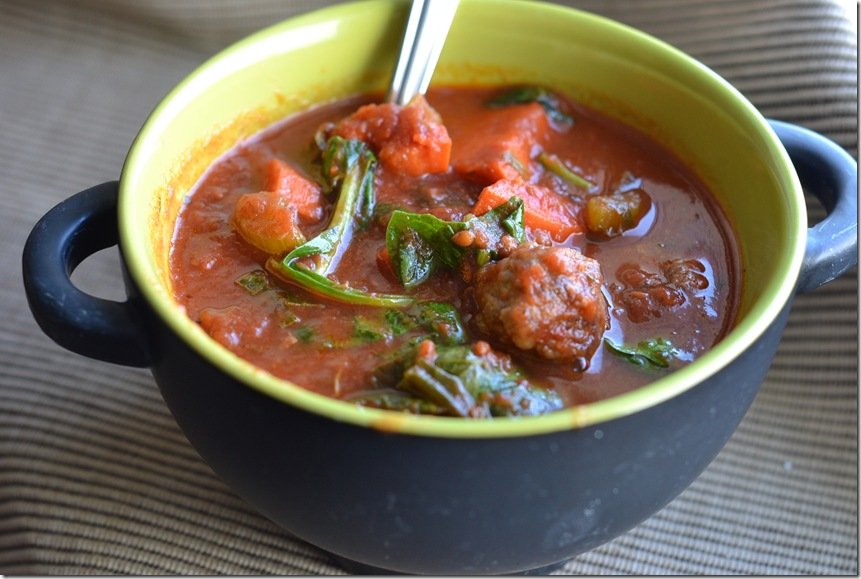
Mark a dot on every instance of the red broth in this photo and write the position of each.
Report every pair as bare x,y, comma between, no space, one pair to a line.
673,273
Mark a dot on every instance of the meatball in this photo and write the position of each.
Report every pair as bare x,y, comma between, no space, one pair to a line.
543,300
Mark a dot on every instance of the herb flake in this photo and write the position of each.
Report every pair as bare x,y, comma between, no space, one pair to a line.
254,282
304,334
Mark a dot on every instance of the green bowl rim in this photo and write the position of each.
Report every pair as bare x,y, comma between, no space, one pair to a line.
767,308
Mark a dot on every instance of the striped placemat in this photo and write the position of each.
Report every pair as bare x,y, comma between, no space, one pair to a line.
95,477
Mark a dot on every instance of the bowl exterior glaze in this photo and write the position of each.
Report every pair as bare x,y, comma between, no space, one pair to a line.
447,506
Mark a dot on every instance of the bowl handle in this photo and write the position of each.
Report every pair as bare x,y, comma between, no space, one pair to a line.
69,233
831,174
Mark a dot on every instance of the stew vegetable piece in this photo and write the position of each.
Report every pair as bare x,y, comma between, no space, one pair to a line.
484,252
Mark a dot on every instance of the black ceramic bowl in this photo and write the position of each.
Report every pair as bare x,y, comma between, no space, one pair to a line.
427,494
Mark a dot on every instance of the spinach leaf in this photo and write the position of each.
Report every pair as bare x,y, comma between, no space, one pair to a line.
464,384
523,399
656,352
369,330
394,362
419,243
437,321
499,389
390,324
254,282
350,164
348,168
325,287
432,383
504,219
442,321
397,401
398,322
533,94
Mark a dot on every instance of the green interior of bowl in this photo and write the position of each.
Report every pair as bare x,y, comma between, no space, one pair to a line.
350,48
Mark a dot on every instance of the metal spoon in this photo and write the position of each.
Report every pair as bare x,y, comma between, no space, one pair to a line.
424,36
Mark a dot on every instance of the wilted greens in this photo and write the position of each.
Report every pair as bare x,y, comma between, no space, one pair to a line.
348,168
456,381
254,282
419,244
555,165
656,352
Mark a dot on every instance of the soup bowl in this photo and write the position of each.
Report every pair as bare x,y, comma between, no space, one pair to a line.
386,491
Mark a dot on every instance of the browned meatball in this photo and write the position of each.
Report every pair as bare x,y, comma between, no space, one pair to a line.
543,300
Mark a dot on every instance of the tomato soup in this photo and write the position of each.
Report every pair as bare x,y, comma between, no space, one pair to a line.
480,252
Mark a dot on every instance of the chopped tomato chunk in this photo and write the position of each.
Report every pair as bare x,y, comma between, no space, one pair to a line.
411,140
497,143
268,221
303,194
543,208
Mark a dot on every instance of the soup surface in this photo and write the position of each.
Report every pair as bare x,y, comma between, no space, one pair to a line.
484,252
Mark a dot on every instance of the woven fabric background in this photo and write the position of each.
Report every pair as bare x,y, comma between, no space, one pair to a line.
95,476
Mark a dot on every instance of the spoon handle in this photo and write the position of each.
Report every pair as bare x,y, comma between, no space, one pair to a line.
424,36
